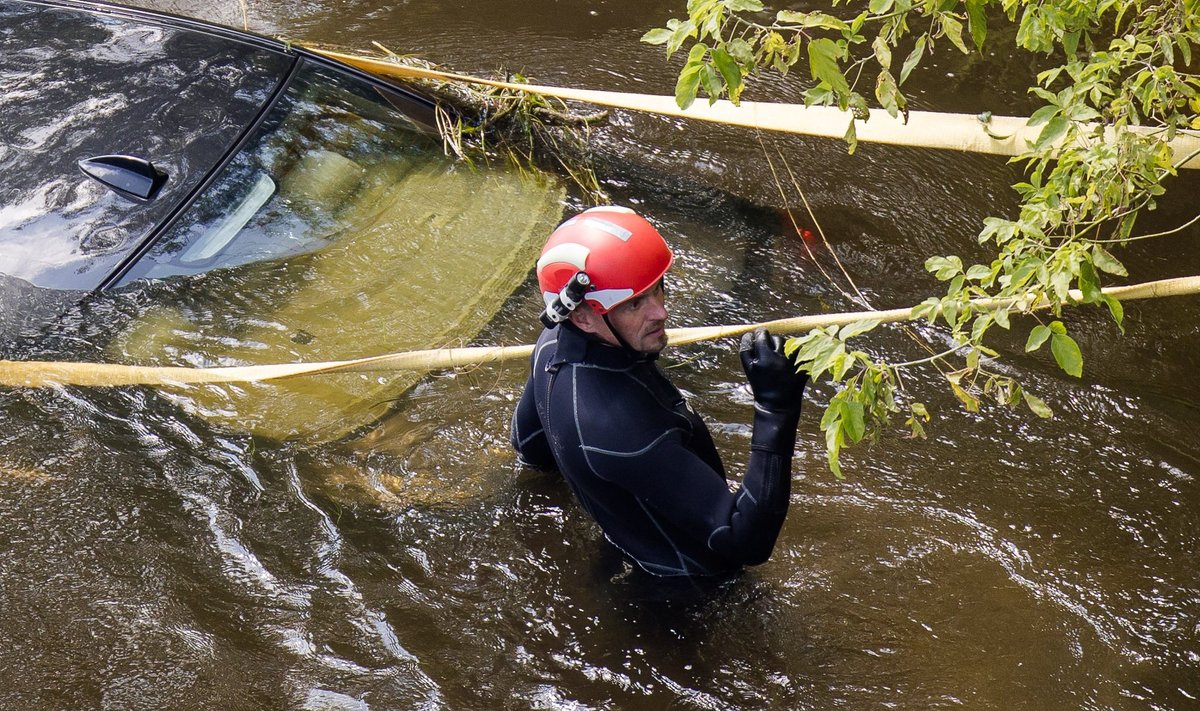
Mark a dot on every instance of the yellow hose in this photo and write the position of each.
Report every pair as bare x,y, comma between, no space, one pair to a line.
1003,135
34,374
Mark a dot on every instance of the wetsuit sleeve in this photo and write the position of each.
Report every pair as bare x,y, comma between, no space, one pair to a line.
692,500
528,436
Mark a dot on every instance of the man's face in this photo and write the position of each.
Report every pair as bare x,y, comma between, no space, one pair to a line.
642,321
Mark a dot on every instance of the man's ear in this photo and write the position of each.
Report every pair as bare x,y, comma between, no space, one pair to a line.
587,320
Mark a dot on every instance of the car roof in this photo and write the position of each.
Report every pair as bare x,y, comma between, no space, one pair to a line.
81,82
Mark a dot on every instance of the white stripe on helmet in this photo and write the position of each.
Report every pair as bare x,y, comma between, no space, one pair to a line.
610,227
571,253
609,297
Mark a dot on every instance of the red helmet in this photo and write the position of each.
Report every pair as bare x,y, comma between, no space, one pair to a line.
621,252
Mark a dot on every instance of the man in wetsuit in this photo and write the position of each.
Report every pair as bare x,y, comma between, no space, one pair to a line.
598,409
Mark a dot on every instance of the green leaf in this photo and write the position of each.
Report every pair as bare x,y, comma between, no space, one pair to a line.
880,7
791,55
833,456
828,360
730,72
686,86
1060,281
973,355
679,35
888,93
1036,405
834,437
1047,77
711,81
743,5
853,423
917,414
1066,352
857,328
811,347
741,50
950,312
944,267
1043,115
1125,226
978,328
833,413
883,52
1070,42
1105,262
856,24
1116,309
841,365
1054,130
1037,336
657,36
977,22
819,95
1001,316
1089,282
953,30
927,309
851,138
914,58
822,62
825,21
811,19
968,400
979,272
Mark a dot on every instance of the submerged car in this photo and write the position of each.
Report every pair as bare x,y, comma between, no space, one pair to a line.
242,201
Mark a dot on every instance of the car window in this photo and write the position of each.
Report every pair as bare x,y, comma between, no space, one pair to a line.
327,153
76,85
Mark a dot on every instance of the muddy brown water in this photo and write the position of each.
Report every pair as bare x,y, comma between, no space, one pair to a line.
152,559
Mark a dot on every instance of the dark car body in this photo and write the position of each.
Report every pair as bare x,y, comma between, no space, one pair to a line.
84,80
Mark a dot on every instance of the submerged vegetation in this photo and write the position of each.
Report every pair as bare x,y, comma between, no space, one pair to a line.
531,131
1088,176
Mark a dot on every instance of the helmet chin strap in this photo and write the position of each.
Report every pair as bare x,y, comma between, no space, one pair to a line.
617,334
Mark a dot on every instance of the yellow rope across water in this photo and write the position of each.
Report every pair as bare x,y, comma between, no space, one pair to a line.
47,373
1002,135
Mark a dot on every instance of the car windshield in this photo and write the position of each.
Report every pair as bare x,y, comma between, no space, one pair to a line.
319,167
340,230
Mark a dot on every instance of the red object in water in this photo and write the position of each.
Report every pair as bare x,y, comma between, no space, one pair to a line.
807,235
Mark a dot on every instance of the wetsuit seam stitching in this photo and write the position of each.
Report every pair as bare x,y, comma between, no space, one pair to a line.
683,567
712,535
527,440
627,372
619,453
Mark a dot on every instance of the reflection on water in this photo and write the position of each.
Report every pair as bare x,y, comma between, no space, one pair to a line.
157,558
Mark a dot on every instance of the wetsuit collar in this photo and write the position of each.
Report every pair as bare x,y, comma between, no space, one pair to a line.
575,346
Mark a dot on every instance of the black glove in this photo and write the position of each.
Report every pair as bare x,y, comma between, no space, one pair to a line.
776,384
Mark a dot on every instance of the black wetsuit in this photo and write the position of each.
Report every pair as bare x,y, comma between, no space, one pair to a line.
643,464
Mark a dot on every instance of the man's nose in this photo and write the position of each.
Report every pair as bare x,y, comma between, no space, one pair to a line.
658,309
